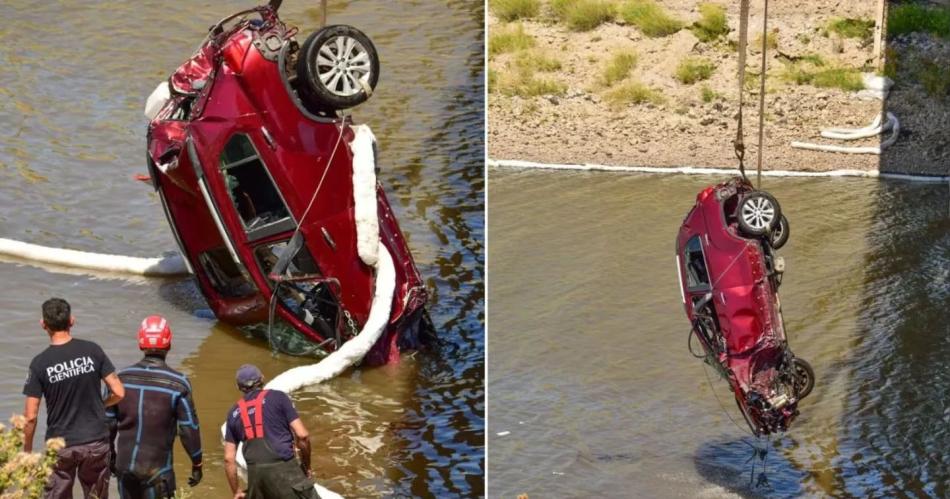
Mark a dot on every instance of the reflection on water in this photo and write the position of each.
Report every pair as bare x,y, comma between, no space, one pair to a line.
72,135
589,369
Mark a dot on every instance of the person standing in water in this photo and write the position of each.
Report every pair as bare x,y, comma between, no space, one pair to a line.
268,424
144,424
68,375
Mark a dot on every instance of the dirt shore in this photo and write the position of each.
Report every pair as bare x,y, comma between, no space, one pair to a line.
578,126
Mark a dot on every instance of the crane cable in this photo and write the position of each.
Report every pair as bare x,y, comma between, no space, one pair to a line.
739,142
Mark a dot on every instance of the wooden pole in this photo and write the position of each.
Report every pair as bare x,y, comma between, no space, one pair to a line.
879,35
323,13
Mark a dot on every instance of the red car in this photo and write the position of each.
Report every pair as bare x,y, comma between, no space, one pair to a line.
253,160
729,276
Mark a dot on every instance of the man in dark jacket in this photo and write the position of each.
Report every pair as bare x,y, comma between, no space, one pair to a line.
144,425
267,423
69,375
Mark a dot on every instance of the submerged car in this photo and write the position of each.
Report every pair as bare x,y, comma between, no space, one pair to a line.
253,159
729,274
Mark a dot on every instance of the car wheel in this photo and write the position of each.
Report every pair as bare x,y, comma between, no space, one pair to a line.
779,235
758,213
338,68
803,376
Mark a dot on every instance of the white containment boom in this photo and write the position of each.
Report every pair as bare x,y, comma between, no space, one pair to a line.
152,267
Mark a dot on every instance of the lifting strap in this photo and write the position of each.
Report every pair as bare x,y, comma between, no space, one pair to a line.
257,430
739,142
743,42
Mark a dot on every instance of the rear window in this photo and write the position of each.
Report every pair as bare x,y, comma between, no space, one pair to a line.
697,275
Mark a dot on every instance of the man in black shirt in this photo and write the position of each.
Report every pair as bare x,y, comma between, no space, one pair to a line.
68,375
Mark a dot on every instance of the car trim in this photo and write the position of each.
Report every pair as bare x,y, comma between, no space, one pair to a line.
168,217
679,273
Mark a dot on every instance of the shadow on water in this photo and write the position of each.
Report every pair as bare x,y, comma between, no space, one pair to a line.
895,431
749,467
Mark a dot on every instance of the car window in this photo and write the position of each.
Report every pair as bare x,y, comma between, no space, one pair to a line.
250,188
697,276
223,274
313,302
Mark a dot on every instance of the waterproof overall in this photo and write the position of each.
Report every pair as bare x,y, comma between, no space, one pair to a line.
269,476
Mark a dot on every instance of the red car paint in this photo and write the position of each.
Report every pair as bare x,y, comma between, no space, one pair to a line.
740,288
233,94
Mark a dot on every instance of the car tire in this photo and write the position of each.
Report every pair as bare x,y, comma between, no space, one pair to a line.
332,62
779,235
758,213
803,376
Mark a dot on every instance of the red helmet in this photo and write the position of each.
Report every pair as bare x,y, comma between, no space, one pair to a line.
154,334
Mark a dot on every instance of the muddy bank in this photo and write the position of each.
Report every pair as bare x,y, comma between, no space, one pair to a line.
578,125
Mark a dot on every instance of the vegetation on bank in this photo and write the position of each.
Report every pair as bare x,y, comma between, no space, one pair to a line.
909,18
862,29
509,39
693,69
23,475
619,67
513,10
650,18
583,15
632,92
712,22
816,72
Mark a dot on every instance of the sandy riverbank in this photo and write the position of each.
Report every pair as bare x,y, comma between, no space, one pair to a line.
579,126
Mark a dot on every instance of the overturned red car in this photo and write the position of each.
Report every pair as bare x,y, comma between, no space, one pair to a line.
729,276
270,189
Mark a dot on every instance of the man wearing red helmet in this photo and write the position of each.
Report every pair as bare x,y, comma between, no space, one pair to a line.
158,404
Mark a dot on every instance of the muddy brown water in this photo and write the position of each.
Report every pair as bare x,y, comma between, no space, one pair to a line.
591,389
72,135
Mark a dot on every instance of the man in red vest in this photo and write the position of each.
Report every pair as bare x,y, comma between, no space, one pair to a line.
270,429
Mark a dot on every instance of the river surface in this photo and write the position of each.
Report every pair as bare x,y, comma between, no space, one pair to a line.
72,135
591,389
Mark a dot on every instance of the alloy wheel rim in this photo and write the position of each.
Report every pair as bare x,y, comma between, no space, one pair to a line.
758,213
342,62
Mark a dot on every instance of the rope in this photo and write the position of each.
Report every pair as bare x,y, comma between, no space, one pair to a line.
739,142
273,297
765,46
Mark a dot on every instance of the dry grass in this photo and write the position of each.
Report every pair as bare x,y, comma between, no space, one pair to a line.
505,39
619,67
632,92
712,22
823,75
708,94
862,29
650,18
771,42
512,10
693,69
583,15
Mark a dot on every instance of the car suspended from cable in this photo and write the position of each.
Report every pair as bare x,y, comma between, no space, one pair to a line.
729,276
270,188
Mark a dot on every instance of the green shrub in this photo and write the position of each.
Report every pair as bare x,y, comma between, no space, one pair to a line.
708,95
712,22
651,19
509,39
909,18
851,28
512,10
824,76
619,67
935,78
583,15
632,92
23,475
692,69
